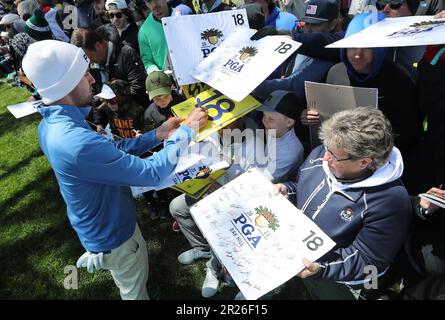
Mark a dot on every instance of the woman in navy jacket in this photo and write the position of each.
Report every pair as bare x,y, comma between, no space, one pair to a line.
350,187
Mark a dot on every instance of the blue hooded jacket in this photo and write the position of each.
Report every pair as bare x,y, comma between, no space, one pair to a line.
359,23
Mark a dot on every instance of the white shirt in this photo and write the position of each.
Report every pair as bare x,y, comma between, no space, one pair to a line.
274,160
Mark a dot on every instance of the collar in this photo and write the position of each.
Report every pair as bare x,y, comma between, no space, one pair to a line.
122,30
62,113
366,174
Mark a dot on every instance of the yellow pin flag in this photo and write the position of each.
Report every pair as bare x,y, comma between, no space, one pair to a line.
192,90
221,110
195,188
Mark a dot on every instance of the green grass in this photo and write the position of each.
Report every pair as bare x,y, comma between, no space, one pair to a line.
37,241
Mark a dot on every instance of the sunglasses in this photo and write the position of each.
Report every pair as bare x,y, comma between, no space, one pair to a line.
118,15
393,4
113,100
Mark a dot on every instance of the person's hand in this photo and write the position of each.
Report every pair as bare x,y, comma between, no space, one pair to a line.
100,129
91,261
196,119
280,188
440,15
311,269
425,204
165,130
310,117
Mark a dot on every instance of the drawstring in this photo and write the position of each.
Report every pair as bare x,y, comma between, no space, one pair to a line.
437,56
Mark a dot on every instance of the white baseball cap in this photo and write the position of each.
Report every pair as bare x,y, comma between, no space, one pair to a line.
107,93
120,4
55,68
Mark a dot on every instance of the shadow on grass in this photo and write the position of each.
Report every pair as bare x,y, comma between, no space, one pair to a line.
19,165
8,123
32,266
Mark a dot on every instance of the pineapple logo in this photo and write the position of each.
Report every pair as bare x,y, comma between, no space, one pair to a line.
247,52
421,26
416,28
266,218
156,82
204,172
211,35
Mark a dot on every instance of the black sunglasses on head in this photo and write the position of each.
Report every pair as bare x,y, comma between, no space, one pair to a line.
393,4
118,15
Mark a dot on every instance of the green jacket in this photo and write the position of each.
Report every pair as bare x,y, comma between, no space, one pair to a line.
152,44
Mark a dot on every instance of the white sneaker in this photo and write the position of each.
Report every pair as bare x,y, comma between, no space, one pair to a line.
192,255
210,285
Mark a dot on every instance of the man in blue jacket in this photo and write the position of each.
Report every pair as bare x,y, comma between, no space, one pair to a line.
350,187
94,174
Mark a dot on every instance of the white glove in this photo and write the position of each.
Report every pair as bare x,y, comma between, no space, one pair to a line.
91,261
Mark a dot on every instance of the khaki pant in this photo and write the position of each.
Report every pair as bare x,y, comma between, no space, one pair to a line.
128,264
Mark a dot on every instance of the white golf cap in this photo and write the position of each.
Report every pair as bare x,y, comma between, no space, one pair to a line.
120,4
107,93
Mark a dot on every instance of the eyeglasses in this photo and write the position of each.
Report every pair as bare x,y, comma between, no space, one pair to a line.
393,4
118,15
332,156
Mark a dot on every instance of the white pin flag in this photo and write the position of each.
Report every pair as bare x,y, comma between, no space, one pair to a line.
239,64
397,32
261,238
192,38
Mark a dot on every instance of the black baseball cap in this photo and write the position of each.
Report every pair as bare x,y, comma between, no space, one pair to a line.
284,102
318,11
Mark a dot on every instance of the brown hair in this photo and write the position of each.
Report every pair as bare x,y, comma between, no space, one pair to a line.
85,38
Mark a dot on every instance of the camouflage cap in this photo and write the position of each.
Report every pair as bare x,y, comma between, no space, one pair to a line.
157,84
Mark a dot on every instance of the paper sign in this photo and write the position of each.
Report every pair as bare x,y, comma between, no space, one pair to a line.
192,38
261,238
328,99
397,32
222,110
239,64
199,159
24,109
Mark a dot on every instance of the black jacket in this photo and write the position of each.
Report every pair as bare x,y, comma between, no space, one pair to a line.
125,64
397,100
430,167
129,36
